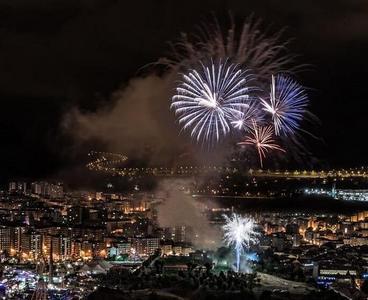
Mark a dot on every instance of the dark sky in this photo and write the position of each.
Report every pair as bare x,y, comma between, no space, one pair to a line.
57,55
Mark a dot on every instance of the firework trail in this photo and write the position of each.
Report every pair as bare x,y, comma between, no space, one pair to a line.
239,232
262,138
287,104
248,45
207,99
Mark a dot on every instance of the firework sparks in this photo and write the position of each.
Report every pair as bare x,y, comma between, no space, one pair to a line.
263,52
207,99
262,138
287,104
239,232
244,120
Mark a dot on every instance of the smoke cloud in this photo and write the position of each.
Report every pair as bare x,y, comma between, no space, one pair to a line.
180,208
138,121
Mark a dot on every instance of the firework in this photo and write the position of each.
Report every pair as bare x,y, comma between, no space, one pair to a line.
248,45
262,138
287,104
239,232
207,99
210,112
244,119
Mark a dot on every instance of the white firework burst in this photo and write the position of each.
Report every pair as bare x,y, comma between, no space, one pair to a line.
239,232
207,99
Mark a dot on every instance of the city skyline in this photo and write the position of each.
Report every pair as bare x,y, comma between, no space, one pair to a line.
77,240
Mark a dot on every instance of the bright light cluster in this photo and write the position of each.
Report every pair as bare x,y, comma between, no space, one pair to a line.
239,232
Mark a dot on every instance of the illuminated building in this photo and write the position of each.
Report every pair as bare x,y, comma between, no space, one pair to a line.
12,187
145,246
76,248
18,187
123,247
49,190
166,248
10,239
31,244
325,274
36,245
61,247
6,234
178,234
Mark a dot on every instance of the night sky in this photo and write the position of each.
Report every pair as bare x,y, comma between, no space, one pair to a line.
57,56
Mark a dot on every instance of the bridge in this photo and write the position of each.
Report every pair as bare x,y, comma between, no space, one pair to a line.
312,174
113,164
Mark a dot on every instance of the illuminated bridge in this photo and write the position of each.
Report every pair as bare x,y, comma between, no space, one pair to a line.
113,164
349,173
105,161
